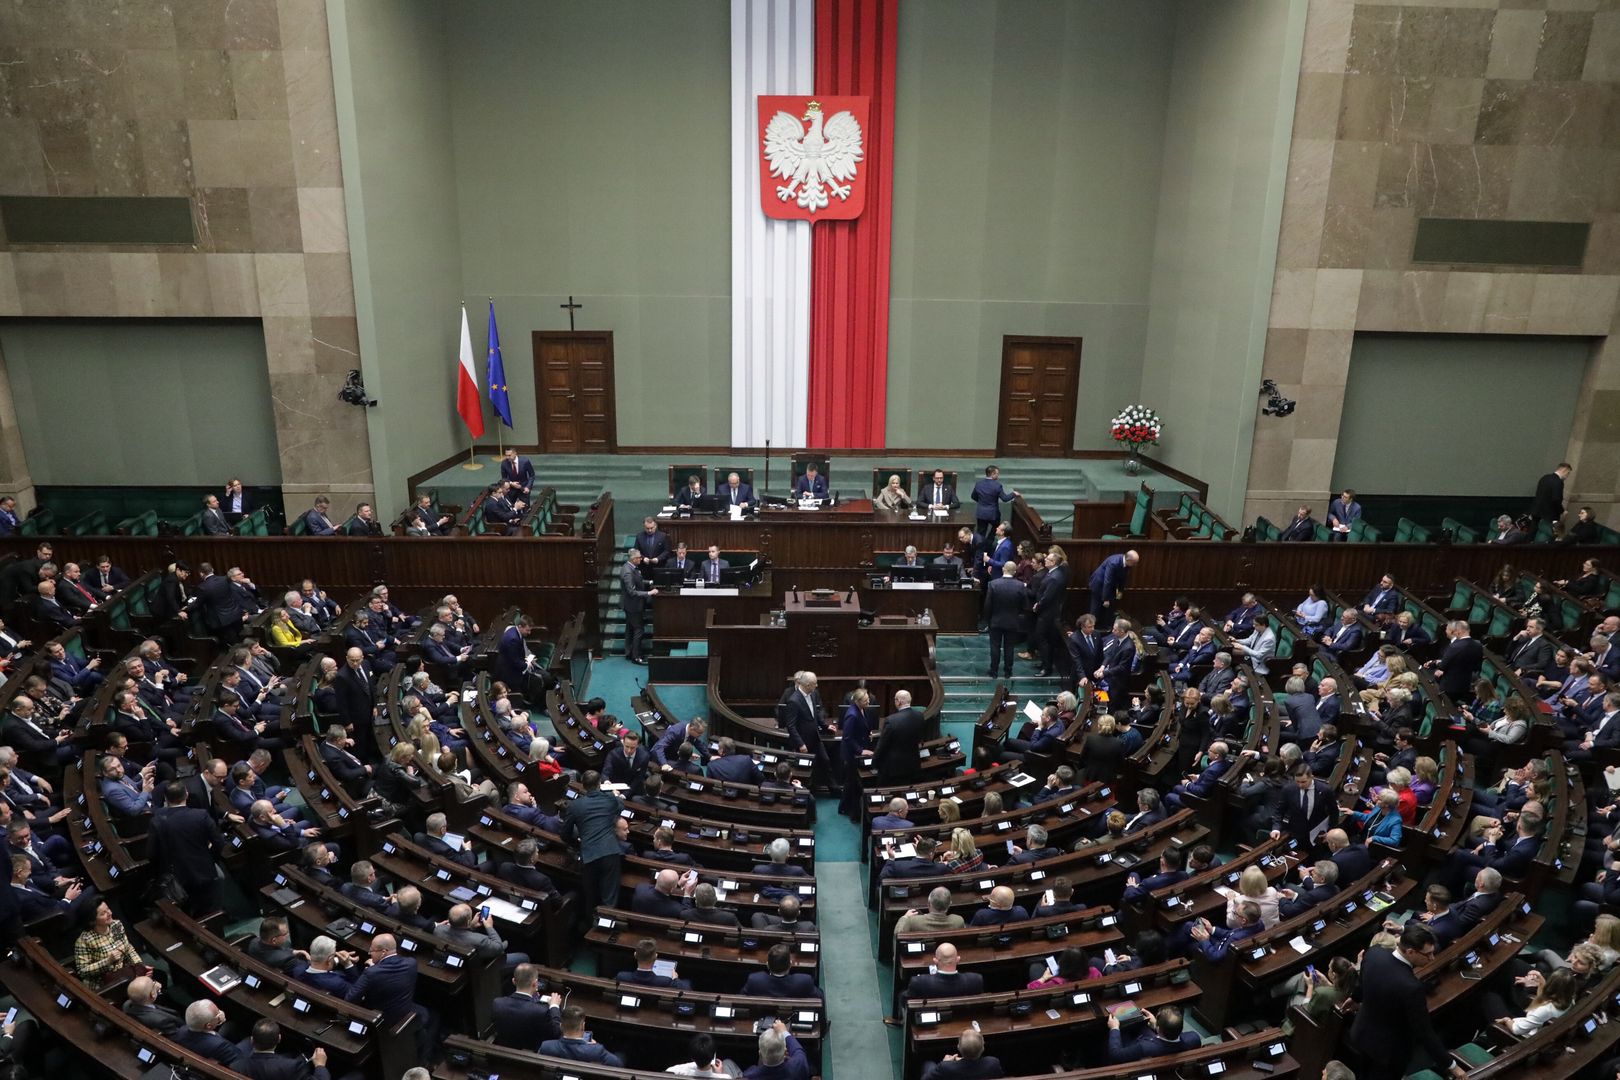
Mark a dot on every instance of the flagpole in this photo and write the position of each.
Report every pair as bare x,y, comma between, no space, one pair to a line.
500,436
466,394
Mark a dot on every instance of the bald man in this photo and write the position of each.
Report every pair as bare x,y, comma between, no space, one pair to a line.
1001,911
895,756
944,980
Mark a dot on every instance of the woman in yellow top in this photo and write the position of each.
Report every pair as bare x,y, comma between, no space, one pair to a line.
894,496
282,631
103,948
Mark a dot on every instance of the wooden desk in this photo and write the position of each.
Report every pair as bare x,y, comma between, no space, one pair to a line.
847,535
821,636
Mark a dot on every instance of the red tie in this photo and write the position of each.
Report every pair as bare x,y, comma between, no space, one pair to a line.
83,591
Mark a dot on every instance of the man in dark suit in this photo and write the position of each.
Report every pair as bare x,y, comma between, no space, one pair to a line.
346,769
1548,504
1163,1037
521,804
944,981
1304,720
1199,653
201,1034
1317,885
49,610
356,691
388,984
588,822
1509,856
185,842
19,578
800,713
1085,650
8,516
422,521
645,974
693,731
812,485
317,521
363,522
1308,809
1004,603
142,1007
1393,1020
668,897
1107,584
691,492
779,980
988,495
1531,652
1458,666
265,1064
968,1063
517,470
576,1044
523,1019
219,606
434,842
1342,513
899,738
1344,638
1506,533
1302,528
511,665
736,493
935,494
361,886
522,870
727,764
1466,914
714,567
635,594
213,520
1353,859
627,762
1048,609
921,864
787,918
653,543
682,566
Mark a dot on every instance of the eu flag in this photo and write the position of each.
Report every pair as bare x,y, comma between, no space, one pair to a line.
497,373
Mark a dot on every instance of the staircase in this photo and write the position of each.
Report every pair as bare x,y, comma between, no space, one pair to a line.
962,660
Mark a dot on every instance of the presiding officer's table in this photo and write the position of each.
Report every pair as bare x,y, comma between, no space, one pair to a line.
843,536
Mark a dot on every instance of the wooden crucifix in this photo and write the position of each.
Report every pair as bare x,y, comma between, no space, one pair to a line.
571,307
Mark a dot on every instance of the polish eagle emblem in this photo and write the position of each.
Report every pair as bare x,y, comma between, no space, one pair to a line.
815,163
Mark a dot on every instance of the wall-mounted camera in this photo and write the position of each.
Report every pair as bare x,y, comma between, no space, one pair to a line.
354,391
1276,404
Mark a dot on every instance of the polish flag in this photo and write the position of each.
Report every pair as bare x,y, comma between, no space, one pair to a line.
469,402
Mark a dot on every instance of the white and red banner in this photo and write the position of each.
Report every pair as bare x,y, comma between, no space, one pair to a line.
812,139
469,402
811,150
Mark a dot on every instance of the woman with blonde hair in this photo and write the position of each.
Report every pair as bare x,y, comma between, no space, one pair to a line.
949,812
1425,779
283,634
893,496
963,855
1252,886
992,804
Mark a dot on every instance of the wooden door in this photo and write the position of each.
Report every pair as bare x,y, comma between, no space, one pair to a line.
1039,380
573,386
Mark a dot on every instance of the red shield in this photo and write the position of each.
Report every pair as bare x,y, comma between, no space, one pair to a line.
812,156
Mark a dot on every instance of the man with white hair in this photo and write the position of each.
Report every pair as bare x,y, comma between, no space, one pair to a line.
780,1056
201,1034
302,613
328,969
899,739
777,851
800,713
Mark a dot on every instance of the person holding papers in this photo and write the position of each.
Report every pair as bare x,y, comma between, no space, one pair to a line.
812,485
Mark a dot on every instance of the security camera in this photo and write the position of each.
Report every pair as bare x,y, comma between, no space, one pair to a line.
354,392
1276,404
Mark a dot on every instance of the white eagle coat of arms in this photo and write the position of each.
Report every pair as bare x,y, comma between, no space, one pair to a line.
812,160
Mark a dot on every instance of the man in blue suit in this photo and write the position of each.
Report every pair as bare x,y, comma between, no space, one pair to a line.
1000,552
8,516
1201,653
1383,599
317,521
1163,1036
1172,871
693,731
727,764
512,654
32,901
1510,858
521,804
1464,915
812,485
1342,513
736,493
988,495
518,470
1202,786
780,1056
523,1019
1344,638
644,974
1317,886
576,1045
1107,584
779,980
389,985
124,796
201,1035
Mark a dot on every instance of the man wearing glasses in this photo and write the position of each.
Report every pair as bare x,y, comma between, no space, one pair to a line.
1392,1026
